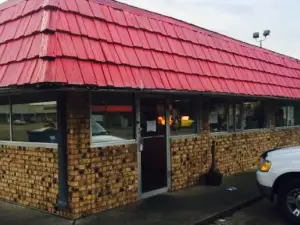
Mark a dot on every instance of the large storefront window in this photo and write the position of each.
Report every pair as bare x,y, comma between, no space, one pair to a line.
4,119
218,118
34,122
254,115
287,116
33,118
228,116
183,113
112,117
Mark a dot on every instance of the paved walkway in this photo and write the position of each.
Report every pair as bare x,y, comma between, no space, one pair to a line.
185,207
260,213
11,214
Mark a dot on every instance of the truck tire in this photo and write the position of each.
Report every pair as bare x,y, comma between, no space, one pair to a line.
289,200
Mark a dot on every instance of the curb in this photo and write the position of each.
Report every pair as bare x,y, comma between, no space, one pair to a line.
228,212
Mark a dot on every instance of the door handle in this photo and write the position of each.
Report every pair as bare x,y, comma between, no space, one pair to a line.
141,147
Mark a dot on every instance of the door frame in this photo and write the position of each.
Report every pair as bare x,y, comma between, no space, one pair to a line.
138,97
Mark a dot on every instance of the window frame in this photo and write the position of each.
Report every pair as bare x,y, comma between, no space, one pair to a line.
134,140
12,99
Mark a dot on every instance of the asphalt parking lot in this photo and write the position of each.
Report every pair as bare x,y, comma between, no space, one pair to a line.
260,213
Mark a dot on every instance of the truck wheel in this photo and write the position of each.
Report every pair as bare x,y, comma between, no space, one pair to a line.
289,200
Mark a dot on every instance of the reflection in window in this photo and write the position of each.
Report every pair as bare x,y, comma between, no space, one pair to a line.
254,115
236,116
112,117
4,120
34,122
285,116
182,117
218,117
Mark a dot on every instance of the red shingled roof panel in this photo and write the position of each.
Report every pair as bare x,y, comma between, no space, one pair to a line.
160,60
86,67
124,35
108,44
174,81
131,20
194,83
146,79
72,71
99,75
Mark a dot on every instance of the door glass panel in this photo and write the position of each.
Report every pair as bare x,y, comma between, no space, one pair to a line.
152,118
153,141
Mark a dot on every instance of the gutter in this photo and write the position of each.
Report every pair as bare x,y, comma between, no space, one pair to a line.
62,201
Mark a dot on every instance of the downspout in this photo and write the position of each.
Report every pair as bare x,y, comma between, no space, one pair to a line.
62,201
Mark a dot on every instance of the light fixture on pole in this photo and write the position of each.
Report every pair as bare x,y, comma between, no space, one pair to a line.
265,34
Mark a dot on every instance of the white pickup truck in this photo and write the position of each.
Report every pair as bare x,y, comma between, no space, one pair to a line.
278,176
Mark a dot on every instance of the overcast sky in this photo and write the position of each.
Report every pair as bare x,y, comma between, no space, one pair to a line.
238,18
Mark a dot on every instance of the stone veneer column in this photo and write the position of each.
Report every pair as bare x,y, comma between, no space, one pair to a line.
99,178
79,157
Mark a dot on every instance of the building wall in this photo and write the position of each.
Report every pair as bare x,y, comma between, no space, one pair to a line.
190,157
235,152
98,178
101,178
29,176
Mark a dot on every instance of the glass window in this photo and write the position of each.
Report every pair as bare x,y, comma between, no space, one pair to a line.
218,117
297,114
236,116
112,117
152,117
254,115
183,116
285,116
4,119
34,121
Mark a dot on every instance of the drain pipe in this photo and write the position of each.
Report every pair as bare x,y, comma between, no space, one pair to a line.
62,202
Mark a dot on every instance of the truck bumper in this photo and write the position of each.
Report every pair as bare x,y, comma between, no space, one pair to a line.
265,191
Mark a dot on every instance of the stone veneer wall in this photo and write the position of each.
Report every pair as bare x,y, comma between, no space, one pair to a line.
98,178
29,176
190,157
235,152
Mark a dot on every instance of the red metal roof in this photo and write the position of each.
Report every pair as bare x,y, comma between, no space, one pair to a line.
109,44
